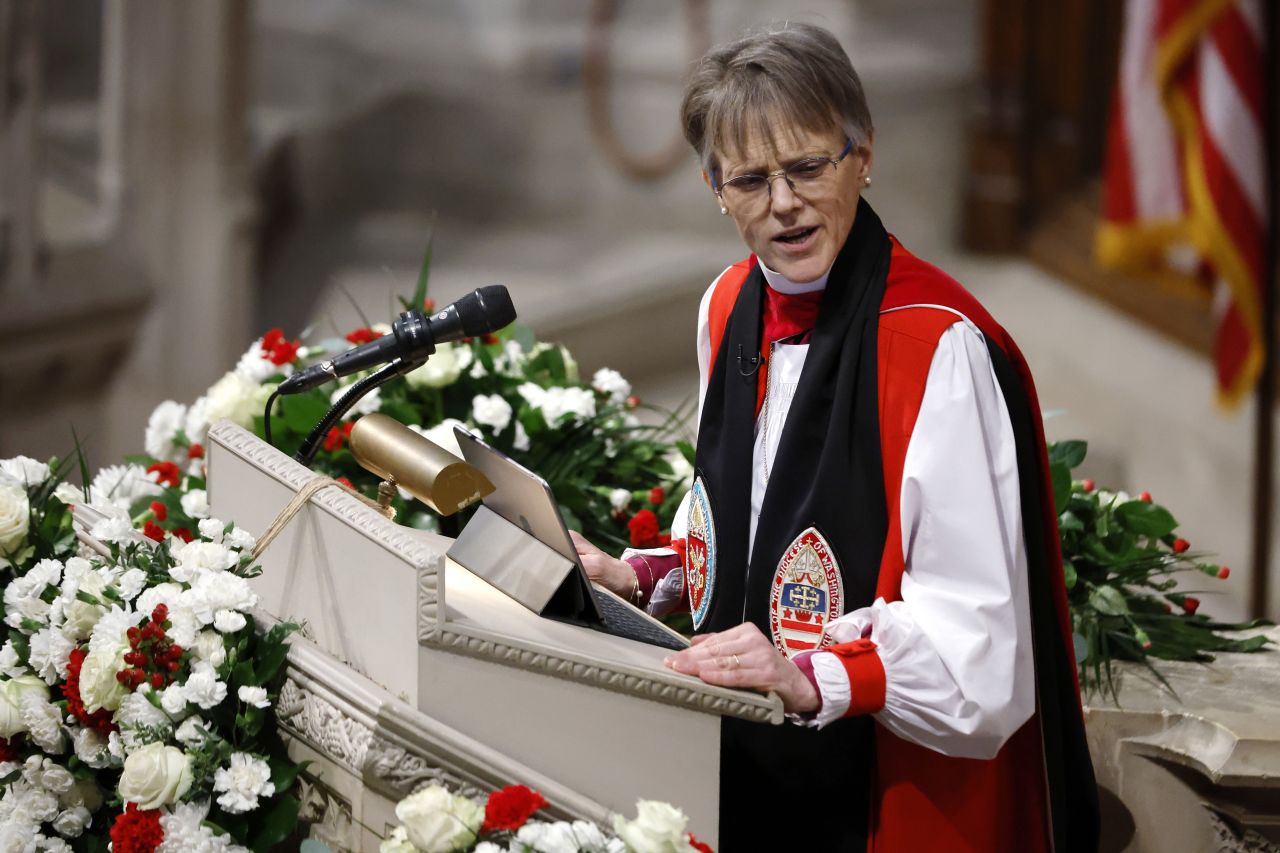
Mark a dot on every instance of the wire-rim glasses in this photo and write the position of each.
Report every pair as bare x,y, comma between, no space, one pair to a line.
803,177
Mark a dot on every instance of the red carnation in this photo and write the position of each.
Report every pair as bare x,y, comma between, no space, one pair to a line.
1190,605
99,720
271,338
633,401
344,481
701,846
509,808
1145,496
182,533
1180,545
196,451
644,529
362,336
278,349
159,510
1224,573
337,437
151,530
168,473
1087,485
136,831
657,495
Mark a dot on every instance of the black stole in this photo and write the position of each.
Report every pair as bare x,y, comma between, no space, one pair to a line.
782,784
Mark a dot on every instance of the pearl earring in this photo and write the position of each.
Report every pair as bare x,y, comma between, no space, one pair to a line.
724,211
866,182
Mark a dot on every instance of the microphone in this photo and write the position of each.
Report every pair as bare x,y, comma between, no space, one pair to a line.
413,337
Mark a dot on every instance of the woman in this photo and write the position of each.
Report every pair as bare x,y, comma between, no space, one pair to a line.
869,534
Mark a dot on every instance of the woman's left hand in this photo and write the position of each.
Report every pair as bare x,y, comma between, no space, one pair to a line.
743,657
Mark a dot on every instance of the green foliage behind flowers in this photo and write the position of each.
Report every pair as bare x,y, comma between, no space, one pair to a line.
1122,561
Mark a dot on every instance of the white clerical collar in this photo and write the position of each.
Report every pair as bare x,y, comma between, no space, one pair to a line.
782,284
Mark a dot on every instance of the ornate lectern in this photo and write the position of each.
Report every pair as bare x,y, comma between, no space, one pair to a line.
411,669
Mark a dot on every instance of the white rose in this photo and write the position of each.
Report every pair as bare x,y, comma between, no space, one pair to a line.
15,517
235,398
12,693
55,778
612,384
98,685
658,828
72,822
492,411
24,470
436,821
155,775
255,696
442,435
195,503
162,427
443,368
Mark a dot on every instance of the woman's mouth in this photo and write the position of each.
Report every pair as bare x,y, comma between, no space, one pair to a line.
796,238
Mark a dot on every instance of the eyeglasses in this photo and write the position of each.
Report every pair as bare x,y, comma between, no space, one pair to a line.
810,178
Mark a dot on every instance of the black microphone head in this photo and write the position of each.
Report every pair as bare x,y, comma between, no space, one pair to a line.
485,310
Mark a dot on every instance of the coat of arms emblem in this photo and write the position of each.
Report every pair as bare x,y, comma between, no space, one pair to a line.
700,556
807,593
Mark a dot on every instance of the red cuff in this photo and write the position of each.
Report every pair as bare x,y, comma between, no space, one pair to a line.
649,570
866,676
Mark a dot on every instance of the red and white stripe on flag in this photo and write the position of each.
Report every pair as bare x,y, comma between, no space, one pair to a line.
1184,198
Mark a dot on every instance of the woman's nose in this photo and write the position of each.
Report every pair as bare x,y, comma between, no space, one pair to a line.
782,195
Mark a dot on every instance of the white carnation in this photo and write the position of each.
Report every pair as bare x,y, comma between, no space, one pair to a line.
195,503
612,384
90,747
168,594
491,410
211,529
130,583
241,785
532,393
228,621
44,724
141,722
521,441
196,558
255,696
256,367
192,733
619,499
163,426
114,528
173,699
209,646
240,539
24,471
214,591
185,832
203,687
10,665
50,650
121,485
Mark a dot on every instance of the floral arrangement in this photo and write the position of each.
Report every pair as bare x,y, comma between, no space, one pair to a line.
135,689
434,820
1123,560
617,480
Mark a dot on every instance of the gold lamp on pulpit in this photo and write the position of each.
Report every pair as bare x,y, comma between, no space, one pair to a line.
403,458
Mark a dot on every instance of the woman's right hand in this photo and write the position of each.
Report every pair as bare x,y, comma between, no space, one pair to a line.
613,574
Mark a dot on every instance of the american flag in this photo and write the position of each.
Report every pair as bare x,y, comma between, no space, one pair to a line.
1185,190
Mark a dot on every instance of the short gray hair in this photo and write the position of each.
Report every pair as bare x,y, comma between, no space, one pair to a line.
794,72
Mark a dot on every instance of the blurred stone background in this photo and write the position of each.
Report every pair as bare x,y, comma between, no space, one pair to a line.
177,177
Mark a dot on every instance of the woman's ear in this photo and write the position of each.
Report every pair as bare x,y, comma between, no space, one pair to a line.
866,154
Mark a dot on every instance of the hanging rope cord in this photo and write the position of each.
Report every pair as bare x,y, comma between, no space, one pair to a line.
597,79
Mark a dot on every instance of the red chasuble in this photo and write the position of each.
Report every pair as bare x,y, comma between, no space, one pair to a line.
921,799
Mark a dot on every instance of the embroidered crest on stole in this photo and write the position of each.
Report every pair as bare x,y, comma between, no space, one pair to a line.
807,593
700,553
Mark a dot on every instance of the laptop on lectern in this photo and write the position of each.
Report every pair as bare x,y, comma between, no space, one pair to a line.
525,501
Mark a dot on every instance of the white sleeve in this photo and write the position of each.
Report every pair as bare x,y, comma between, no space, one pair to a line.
704,343
956,649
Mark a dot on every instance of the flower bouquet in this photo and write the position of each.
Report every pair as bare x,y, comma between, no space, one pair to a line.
434,820
1121,558
135,690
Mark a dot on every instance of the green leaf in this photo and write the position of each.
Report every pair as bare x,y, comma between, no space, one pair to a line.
1108,600
277,824
1146,519
303,411
285,773
420,292
1070,453
1069,574
1061,486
